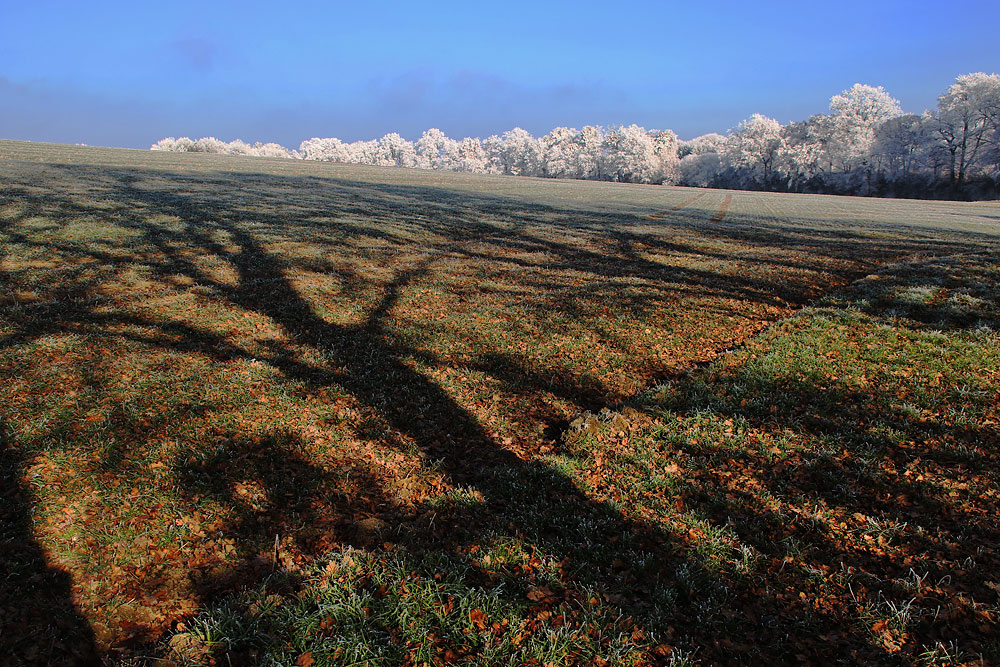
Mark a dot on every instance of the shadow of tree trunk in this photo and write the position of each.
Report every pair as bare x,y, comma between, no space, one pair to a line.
39,623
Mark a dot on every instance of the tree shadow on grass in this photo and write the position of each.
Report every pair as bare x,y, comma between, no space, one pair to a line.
280,505
559,518
272,489
39,623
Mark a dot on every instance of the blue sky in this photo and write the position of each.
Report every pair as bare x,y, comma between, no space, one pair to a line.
130,73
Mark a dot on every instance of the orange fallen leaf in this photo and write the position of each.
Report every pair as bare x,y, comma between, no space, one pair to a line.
478,618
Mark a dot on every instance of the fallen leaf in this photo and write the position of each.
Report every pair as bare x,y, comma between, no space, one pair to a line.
478,618
540,593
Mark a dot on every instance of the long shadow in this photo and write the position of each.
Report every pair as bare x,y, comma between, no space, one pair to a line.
39,623
283,506
369,366
524,498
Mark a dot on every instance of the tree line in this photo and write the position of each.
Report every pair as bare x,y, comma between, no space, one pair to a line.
865,145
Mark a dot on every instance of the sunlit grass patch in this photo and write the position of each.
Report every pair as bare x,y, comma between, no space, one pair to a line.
388,610
94,230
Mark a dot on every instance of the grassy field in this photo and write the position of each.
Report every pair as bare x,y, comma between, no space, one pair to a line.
273,412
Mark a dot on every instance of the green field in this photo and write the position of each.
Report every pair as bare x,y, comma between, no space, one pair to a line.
280,412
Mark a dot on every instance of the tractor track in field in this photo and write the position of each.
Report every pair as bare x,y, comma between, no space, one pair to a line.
718,216
683,204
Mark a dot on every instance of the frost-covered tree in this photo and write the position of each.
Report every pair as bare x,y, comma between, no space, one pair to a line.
238,147
433,149
969,122
700,169
271,149
519,153
903,146
213,145
493,147
805,154
856,115
468,155
590,158
634,155
560,153
628,154
363,152
329,149
182,145
864,145
706,143
395,151
665,147
754,146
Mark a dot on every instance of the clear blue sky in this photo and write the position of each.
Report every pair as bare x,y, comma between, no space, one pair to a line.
130,73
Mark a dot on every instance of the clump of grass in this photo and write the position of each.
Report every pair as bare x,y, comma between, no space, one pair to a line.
382,611
944,654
